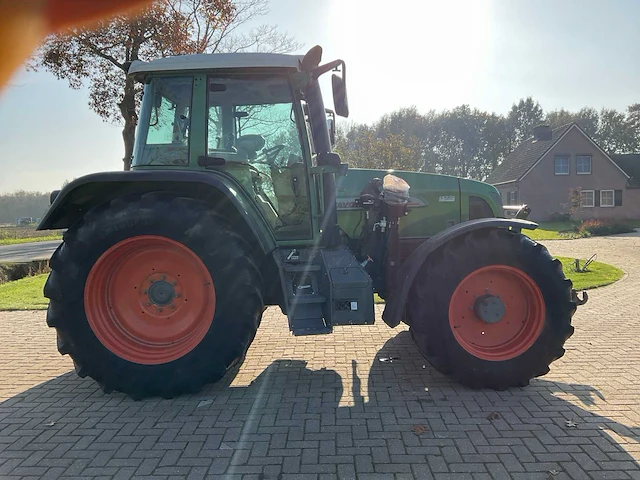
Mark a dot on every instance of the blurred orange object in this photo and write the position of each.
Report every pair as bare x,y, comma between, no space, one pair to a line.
25,23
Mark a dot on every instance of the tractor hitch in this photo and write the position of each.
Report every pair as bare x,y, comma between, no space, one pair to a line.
577,300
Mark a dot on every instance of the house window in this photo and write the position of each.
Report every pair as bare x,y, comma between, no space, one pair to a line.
587,198
562,165
512,197
583,164
607,198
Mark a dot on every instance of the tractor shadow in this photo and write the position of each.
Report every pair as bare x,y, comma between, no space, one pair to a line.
402,411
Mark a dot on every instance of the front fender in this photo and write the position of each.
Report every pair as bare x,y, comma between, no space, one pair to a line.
395,306
84,193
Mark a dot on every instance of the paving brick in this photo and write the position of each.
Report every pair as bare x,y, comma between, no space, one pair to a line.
318,468
437,464
610,475
346,472
396,468
363,464
350,420
291,465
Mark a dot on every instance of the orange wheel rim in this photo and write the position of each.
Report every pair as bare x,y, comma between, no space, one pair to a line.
149,299
497,312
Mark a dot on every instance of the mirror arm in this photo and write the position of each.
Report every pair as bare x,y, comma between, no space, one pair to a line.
322,69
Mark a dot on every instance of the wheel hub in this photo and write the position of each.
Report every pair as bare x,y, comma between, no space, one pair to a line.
149,299
489,308
497,312
161,293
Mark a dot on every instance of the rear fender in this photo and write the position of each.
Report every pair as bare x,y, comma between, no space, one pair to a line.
395,306
85,193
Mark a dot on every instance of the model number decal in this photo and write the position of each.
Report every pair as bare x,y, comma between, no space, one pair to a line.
447,198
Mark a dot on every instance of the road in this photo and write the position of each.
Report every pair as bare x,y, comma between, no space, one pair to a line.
27,252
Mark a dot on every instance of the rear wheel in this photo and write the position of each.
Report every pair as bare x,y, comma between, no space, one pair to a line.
154,296
493,309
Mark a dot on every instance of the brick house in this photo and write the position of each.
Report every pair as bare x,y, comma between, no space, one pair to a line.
543,170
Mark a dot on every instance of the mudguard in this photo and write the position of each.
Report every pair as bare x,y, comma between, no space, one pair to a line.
395,305
84,193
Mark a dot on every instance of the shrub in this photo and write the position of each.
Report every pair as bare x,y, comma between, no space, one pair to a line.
598,228
560,217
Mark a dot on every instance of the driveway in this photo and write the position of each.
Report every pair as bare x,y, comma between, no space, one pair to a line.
326,407
27,252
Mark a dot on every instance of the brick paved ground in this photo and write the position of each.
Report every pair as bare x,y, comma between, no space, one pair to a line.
343,413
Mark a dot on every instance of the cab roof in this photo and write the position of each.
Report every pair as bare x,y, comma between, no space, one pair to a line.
217,61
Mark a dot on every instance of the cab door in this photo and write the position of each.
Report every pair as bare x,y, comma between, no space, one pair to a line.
254,124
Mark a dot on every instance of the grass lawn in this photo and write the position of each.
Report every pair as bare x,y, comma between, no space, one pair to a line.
26,293
561,230
599,274
15,241
552,231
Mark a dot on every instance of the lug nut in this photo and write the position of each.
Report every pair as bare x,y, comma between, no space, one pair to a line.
148,304
159,310
178,295
172,306
174,283
145,291
163,277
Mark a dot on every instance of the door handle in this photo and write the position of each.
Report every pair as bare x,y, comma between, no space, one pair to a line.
294,186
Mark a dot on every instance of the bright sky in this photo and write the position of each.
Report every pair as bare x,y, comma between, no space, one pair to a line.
431,54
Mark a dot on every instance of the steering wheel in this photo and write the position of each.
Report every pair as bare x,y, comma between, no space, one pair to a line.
272,153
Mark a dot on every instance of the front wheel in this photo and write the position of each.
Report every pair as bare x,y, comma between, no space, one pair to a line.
492,308
153,296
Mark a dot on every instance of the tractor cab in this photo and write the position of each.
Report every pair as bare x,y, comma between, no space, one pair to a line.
246,115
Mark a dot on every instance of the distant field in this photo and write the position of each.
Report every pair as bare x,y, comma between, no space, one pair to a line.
10,235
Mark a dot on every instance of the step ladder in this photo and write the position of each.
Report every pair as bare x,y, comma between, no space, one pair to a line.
323,288
300,271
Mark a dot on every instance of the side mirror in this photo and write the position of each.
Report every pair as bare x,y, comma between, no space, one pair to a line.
340,101
331,126
339,84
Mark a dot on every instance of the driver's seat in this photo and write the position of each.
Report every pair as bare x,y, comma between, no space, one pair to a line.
250,145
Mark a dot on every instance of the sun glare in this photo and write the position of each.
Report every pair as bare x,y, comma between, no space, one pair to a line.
429,53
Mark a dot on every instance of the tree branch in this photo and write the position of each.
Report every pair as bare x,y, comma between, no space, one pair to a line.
96,51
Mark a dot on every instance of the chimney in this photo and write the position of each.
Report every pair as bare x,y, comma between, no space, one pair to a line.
542,133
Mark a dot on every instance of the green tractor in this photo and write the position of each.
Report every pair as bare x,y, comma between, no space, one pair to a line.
236,201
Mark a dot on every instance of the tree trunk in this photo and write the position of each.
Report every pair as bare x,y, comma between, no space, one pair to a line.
128,110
